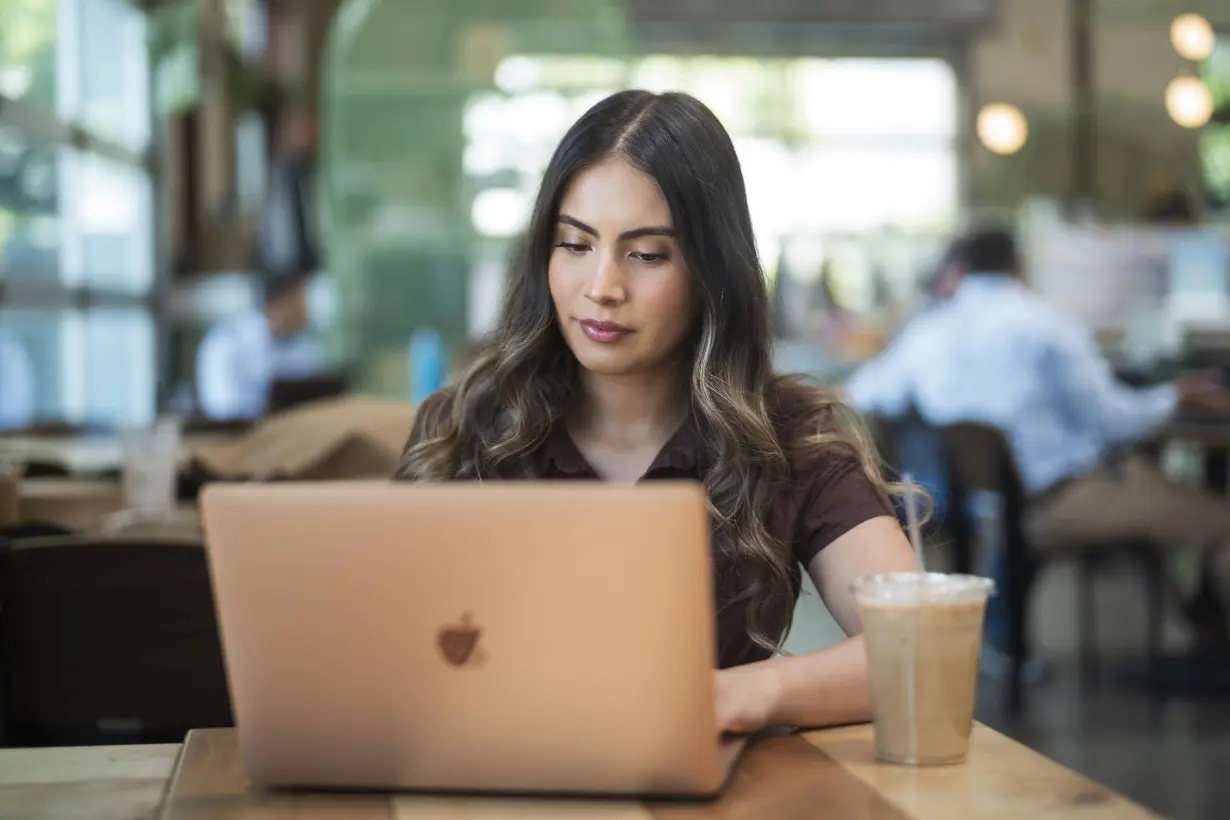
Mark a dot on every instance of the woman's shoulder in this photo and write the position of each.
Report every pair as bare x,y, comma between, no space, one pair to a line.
819,431
835,479
802,412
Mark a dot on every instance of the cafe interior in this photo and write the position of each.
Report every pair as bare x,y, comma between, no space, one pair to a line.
182,180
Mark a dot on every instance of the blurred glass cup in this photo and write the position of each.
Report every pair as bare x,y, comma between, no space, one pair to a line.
149,472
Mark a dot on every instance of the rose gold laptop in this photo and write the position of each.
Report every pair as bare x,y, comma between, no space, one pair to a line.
503,637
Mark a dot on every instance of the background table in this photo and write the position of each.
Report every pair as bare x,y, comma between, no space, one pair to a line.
86,505
91,455
101,782
828,773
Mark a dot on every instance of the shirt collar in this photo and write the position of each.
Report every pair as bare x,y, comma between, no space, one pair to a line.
983,282
682,451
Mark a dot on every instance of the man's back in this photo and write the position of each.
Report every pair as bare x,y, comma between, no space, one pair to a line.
239,359
1000,355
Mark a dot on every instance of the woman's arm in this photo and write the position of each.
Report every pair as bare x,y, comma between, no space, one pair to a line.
828,686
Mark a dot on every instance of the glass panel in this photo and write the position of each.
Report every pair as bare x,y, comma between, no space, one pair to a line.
28,51
893,98
29,211
103,239
427,152
113,69
109,233
870,189
36,339
119,374
423,209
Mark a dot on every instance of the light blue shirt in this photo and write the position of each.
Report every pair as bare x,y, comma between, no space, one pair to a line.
16,383
998,354
238,361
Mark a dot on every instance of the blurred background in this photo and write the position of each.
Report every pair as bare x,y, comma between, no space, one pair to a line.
143,145
332,189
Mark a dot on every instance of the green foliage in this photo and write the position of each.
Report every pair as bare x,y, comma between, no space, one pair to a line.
27,44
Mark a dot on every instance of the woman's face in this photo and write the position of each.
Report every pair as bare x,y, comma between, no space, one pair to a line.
622,293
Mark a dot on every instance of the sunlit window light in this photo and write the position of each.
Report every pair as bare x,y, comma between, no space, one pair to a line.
499,212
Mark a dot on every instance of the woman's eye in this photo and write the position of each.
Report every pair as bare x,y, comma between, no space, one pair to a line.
572,247
649,258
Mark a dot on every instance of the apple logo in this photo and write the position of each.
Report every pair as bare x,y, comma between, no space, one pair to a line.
459,642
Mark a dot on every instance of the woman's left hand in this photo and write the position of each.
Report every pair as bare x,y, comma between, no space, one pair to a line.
746,698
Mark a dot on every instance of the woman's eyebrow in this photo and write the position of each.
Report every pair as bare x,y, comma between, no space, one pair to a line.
635,233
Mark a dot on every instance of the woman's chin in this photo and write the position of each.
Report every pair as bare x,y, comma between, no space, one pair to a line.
606,368
606,362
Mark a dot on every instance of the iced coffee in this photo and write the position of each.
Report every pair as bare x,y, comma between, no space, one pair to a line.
923,633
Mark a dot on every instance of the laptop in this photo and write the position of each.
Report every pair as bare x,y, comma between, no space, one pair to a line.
507,637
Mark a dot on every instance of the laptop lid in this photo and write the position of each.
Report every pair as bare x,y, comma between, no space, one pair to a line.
511,636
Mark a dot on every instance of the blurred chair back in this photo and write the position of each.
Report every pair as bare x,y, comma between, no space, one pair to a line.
980,459
287,393
108,641
885,434
909,444
203,425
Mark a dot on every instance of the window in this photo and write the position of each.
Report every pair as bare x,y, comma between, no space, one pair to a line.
112,74
76,212
108,225
28,65
438,139
29,206
837,155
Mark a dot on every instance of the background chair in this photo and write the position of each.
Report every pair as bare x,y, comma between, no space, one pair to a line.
909,444
108,641
285,394
980,459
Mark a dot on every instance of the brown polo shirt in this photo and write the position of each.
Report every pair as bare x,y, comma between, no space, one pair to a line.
828,496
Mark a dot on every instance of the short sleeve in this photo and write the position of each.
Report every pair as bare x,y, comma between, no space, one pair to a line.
838,498
429,418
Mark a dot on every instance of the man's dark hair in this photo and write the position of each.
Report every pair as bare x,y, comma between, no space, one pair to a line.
991,249
276,285
956,254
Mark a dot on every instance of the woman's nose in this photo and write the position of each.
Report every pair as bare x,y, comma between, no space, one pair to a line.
606,286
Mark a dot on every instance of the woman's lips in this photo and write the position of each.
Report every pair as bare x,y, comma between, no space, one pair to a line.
604,332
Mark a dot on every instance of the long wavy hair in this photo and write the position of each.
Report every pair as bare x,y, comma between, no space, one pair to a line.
525,379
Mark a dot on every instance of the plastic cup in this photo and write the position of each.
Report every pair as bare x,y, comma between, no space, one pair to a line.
923,633
150,466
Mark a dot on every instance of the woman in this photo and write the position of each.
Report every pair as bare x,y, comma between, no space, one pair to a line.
634,345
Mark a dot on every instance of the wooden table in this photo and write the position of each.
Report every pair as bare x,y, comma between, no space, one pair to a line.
86,505
1211,437
831,773
1202,434
90,455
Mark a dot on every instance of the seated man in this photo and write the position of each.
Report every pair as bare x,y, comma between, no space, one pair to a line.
998,354
241,357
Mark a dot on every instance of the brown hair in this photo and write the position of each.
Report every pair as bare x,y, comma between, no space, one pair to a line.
526,379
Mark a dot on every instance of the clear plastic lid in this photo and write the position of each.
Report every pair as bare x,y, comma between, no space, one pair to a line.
923,587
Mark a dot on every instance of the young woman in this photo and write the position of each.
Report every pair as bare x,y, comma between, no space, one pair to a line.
634,345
